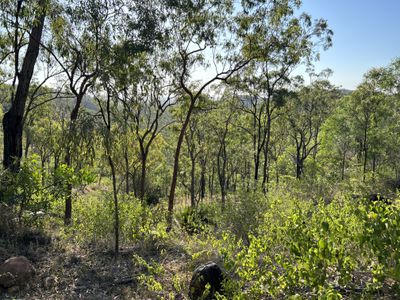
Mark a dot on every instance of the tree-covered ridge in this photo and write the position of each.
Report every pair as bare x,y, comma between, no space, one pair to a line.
112,140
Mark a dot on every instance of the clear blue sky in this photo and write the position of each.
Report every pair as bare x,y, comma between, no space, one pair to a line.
366,35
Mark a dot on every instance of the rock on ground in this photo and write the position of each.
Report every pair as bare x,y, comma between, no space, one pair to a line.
16,271
210,274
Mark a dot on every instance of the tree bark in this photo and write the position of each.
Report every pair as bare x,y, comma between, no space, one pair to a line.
143,176
221,164
277,172
299,169
265,171
116,208
211,182
373,167
203,179
266,157
176,165
68,161
13,119
299,162
68,196
193,183
126,158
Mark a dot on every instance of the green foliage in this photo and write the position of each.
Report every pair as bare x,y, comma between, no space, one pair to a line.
301,247
152,196
24,191
93,221
149,271
242,204
65,175
197,220
380,238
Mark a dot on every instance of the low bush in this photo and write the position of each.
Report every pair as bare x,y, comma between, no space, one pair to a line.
24,194
198,219
93,220
313,250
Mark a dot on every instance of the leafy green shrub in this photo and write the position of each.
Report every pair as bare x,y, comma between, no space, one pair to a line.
298,248
380,238
24,193
139,221
93,220
149,272
153,196
64,175
196,220
243,214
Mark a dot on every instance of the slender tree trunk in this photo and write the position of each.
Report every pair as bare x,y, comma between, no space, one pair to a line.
265,173
211,182
202,185
315,150
171,198
116,208
56,160
134,180
13,119
43,166
126,171
68,196
299,162
266,158
247,172
256,168
68,161
256,152
299,169
365,165
143,176
234,181
203,179
365,162
222,180
373,167
228,181
243,175
108,148
193,183
221,167
277,171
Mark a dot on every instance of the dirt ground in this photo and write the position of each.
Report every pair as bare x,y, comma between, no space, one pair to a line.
66,271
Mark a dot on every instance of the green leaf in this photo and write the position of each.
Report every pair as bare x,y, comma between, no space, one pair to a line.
325,226
321,244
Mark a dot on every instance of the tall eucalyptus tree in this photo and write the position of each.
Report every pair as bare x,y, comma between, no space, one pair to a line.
23,24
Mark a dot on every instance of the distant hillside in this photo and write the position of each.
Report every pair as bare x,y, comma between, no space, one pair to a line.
60,103
345,92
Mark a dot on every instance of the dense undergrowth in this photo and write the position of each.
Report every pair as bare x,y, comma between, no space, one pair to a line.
279,245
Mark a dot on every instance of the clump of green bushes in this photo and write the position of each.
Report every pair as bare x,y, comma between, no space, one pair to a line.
93,220
198,219
301,248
